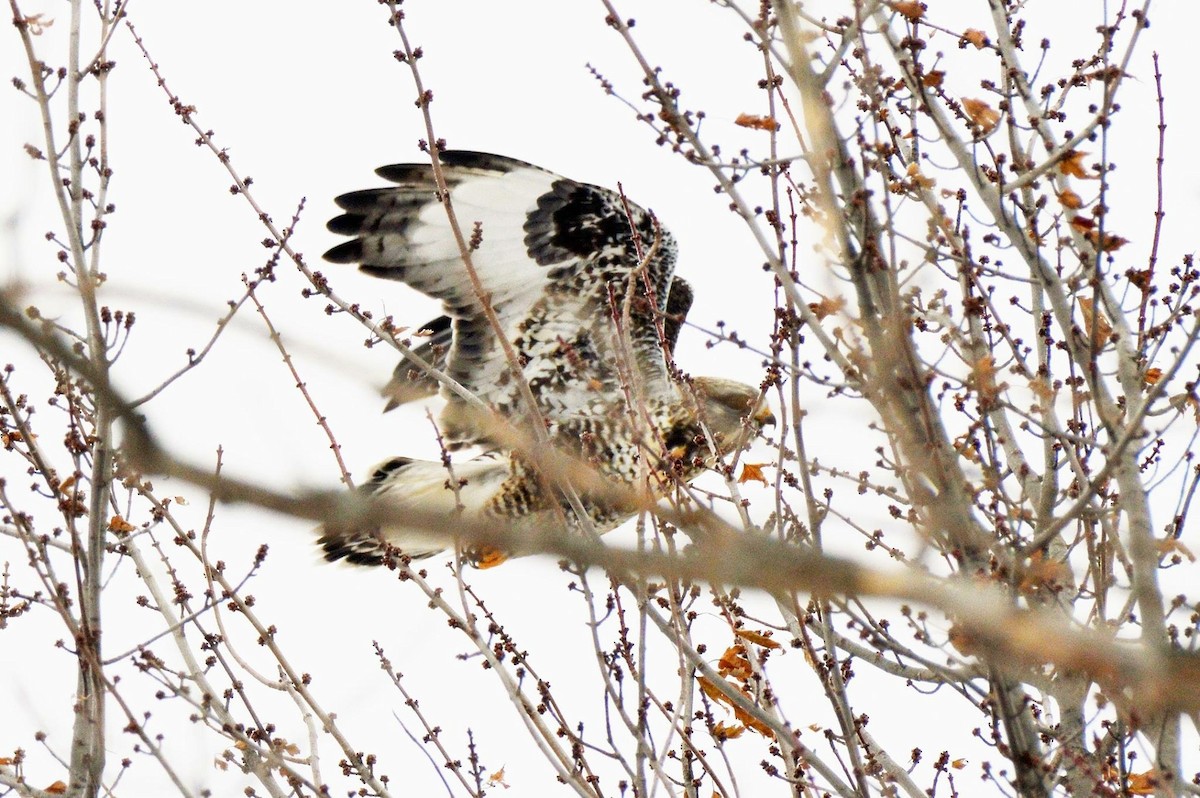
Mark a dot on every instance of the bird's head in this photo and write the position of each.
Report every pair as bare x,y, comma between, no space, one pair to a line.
733,411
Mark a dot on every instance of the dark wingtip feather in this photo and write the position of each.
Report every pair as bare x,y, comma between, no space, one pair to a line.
370,199
471,159
407,174
347,252
346,224
336,548
368,551
679,302
422,173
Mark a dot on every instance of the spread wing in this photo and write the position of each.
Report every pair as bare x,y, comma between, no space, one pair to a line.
554,257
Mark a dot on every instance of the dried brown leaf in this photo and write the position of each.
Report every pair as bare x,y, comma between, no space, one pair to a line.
753,472
725,731
755,122
734,663
1083,224
757,638
1070,199
827,307
1142,783
983,378
1142,278
964,445
38,23
1102,330
1182,401
975,37
918,178
911,11
754,723
711,690
745,718
981,114
1171,545
1107,242
1042,390
120,525
1071,164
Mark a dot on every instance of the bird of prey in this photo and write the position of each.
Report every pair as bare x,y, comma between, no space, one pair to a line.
584,311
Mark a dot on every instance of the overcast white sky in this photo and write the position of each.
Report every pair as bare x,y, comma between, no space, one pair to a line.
308,100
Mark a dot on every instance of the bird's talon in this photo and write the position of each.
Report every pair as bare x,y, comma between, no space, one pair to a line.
486,557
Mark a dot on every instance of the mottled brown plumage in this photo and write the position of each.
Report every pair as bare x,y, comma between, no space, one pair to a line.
582,285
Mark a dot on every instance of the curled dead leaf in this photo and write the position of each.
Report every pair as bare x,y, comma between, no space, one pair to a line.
757,638
983,378
827,307
1083,224
1071,163
982,115
1142,783
57,788
965,445
1174,546
1070,199
755,122
975,37
1105,242
711,690
933,78
909,10
1094,323
725,731
37,24
734,663
918,179
1042,390
1152,375
753,472
743,717
1142,278
120,525
752,722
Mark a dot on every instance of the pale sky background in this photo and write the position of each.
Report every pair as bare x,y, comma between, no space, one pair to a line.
308,100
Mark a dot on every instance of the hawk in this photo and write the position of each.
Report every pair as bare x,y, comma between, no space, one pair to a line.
582,295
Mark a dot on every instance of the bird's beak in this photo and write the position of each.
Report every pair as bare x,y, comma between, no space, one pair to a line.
763,416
